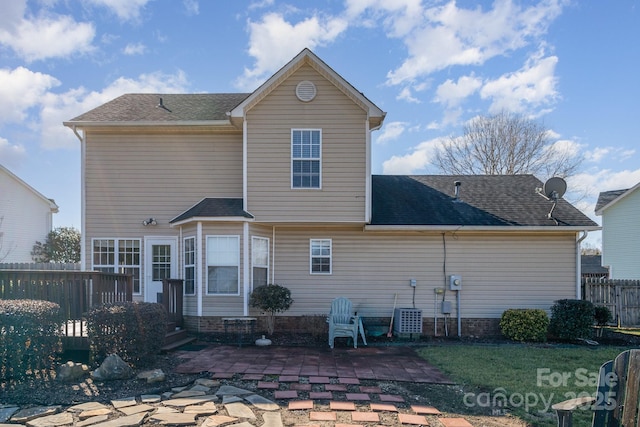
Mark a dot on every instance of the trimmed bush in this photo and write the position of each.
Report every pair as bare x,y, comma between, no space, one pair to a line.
525,324
602,315
571,319
134,331
30,333
271,299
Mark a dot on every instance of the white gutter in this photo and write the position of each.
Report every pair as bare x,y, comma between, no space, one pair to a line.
585,233
180,123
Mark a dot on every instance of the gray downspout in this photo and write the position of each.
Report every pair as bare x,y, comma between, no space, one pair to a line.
585,233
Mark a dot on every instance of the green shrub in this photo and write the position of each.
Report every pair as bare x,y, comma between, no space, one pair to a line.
134,331
525,324
571,319
271,299
602,315
29,337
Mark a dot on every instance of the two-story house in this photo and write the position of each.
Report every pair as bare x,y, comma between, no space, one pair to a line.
620,211
26,216
234,191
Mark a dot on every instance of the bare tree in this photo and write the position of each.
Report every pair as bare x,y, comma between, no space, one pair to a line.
505,144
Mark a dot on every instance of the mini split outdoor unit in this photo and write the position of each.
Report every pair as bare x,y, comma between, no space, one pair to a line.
407,321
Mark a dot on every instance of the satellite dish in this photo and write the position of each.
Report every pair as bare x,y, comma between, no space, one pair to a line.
554,188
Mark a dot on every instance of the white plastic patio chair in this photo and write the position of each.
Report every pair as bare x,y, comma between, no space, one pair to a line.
342,321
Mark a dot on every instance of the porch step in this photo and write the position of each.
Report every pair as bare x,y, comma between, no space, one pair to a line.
176,338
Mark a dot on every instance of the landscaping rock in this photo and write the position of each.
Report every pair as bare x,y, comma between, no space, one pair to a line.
113,368
71,371
153,376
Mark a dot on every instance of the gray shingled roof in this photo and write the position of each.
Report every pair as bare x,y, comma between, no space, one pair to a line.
606,197
144,107
484,200
214,207
592,264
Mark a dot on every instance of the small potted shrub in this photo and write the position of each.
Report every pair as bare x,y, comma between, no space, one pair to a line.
271,299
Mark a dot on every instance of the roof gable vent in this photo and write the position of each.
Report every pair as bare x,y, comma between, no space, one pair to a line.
306,91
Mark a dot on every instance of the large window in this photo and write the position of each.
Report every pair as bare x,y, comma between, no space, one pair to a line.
118,255
320,254
306,150
223,265
260,261
190,266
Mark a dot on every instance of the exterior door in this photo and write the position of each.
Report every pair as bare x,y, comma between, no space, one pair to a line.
161,258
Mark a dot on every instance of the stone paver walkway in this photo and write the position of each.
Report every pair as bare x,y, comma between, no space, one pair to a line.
305,387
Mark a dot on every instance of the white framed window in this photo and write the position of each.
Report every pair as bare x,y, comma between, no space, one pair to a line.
223,265
118,255
189,265
259,261
306,151
320,253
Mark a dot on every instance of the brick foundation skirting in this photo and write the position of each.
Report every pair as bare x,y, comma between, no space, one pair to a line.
471,328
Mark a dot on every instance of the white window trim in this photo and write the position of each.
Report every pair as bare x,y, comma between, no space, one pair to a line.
268,257
194,265
319,159
116,255
330,257
207,264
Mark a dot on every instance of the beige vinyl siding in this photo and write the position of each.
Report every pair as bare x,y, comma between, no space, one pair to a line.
269,124
621,237
498,271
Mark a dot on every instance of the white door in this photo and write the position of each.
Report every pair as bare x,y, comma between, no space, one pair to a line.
161,258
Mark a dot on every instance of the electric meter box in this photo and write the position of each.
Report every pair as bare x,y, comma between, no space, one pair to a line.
455,282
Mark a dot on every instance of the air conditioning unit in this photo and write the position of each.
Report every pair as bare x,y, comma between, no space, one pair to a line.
407,321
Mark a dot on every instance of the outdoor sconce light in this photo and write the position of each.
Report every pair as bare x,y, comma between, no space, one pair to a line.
150,221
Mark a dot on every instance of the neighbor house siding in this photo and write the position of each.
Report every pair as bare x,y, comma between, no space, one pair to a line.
131,177
343,165
621,237
498,271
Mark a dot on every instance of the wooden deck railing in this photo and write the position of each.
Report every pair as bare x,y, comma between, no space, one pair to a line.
75,291
172,299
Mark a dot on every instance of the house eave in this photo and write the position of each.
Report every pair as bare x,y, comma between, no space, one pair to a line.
87,124
502,229
211,219
617,199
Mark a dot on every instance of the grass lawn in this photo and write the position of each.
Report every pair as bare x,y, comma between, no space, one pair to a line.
520,379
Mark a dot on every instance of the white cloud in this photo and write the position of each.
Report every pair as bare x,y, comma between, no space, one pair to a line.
58,108
452,93
413,162
450,35
11,154
126,10
597,154
532,86
406,95
391,131
192,7
135,49
20,90
273,41
42,37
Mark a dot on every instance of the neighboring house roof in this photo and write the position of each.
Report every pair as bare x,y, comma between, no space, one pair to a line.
592,265
170,108
52,204
607,199
213,208
484,201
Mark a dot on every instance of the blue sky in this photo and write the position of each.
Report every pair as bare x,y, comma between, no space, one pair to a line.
431,65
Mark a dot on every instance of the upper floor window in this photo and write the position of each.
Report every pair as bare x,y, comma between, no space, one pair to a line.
306,148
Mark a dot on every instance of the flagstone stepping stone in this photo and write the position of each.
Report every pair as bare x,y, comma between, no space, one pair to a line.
188,393
201,388
242,424
124,402
188,401
92,420
272,419
229,390
175,419
28,414
208,408
94,413
88,406
217,420
230,399
62,419
130,410
128,421
165,410
150,398
6,413
207,382
262,403
239,410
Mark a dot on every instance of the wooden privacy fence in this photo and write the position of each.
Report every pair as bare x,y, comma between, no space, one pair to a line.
75,291
622,297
